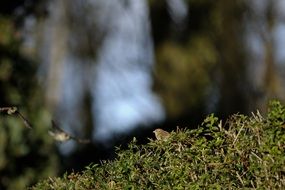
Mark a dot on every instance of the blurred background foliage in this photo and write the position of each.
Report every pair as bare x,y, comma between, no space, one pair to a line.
25,155
201,66
207,57
207,65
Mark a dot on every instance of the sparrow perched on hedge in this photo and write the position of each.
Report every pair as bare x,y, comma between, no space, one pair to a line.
161,134
60,135
14,110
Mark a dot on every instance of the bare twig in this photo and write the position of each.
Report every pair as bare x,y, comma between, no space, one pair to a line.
240,179
238,134
256,156
257,116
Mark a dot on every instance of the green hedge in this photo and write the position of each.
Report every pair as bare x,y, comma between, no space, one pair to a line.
242,152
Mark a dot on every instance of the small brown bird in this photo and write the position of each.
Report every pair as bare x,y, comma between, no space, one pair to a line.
14,110
161,134
60,135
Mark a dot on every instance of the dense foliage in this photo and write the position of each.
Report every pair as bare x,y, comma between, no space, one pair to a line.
243,152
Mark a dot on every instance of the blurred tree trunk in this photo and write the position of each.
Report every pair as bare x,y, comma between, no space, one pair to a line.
231,75
272,84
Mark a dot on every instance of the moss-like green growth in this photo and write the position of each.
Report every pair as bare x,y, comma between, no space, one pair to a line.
243,152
